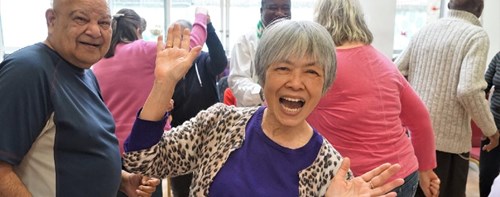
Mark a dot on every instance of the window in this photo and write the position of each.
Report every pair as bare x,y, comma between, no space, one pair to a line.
411,15
25,25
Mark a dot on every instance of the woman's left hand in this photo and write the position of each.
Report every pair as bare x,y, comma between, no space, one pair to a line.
429,183
372,183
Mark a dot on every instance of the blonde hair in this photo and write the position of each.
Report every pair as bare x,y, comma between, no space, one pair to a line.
344,20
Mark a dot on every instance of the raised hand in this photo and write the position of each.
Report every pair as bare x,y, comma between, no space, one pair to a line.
173,58
372,183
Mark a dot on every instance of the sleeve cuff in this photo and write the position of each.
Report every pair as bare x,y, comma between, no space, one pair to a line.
145,133
200,19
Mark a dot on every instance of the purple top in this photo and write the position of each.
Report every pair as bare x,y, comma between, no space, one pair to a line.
262,167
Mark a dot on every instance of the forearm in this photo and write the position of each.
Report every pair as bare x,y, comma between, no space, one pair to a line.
478,109
158,101
218,59
415,116
245,90
11,185
199,31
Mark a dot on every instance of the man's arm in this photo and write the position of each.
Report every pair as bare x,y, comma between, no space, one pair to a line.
11,185
471,84
403,60
244,87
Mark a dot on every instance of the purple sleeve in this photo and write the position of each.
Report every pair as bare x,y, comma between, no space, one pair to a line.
199,31
145,134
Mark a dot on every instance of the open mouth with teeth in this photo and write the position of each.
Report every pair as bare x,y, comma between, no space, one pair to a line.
292,104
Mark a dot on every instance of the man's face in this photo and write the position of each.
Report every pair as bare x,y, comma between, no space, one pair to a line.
79,30
275,9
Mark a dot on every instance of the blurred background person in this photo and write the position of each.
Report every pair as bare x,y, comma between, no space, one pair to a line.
197,91
371,110
445,63
126,72
242,78
489,161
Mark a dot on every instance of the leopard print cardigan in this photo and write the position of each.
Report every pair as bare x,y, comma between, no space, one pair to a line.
202,145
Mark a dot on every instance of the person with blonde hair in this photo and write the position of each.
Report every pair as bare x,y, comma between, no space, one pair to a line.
371,110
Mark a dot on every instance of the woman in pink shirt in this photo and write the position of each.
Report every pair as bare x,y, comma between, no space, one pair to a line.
371,114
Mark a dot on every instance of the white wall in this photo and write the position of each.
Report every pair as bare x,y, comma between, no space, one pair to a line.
379,15
490,19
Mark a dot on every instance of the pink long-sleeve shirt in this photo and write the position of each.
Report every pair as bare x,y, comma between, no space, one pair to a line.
367,110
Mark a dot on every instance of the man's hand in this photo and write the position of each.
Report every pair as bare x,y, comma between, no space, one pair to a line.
493,142
136,185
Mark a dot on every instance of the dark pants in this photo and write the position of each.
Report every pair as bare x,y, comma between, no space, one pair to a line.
409,188
489,167
157,193
452,170
180,185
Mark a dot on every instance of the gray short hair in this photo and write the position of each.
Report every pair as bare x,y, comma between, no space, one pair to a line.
344,19
286,38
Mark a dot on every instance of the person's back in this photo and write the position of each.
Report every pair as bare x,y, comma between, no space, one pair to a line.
362,114
125,81
445,62
367,112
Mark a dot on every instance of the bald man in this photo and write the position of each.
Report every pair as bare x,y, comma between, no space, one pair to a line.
445,63
57,136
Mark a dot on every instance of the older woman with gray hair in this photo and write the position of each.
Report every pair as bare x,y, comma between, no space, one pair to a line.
371,114
259,151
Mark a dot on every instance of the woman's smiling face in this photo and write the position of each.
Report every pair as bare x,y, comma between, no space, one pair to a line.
292,90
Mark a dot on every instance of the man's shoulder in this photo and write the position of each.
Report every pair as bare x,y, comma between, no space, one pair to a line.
451,27
31,57
248,36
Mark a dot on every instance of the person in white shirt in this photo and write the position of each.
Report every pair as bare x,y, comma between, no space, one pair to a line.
242,78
